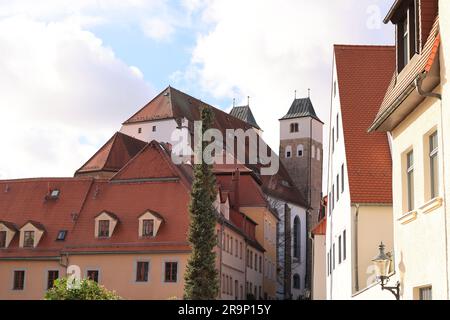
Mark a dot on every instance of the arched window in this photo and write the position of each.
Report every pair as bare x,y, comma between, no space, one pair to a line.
288,152
318,154
313,151
297,233
300,150
296,281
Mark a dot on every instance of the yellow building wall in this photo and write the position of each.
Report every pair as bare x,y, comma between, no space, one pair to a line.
260,215
420,241
374,226
116,272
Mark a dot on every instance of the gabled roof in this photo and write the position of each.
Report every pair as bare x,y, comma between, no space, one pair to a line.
245,114
150,163
35,224
301,108
113,155
174,104
363,74
112,215
9,225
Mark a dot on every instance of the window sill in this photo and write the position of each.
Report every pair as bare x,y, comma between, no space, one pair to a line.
408,217
431,205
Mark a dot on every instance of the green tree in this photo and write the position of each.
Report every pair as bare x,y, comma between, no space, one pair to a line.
201,277
86,290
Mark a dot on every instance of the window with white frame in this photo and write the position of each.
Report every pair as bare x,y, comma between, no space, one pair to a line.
300,150
434,169
288,152
410,180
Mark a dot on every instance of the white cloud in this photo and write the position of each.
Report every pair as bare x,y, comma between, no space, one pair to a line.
267,49
63,94
158,28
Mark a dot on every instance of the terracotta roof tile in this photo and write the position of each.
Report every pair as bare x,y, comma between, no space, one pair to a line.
363,74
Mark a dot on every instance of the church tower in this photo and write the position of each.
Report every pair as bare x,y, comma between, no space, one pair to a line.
301,152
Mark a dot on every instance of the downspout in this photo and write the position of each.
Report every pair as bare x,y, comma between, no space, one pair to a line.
356,249
418,84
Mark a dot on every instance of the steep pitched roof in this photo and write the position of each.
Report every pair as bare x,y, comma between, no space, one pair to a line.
245,114
363,74
174,104
150,163
301,108
114,154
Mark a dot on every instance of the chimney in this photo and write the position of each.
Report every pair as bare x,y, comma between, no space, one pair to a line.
235,185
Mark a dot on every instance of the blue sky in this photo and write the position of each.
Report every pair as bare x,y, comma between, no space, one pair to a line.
73,71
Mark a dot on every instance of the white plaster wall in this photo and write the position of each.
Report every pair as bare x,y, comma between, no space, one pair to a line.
420,245
320,268
339,283
163,133
304,129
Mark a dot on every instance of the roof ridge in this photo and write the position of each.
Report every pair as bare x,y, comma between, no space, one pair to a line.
364,46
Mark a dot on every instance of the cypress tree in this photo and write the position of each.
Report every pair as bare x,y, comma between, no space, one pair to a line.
201,277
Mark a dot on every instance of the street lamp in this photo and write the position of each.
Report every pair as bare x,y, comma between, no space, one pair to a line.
382,263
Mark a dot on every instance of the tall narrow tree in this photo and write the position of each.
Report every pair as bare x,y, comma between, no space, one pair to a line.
201,277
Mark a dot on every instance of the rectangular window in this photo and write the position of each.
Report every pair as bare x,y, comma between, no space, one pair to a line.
28,239
329,204
171,271
231,245
236,248
425,293
260,264
337,188
340,249
2,239
434,166
337,127
240,250
342,178
223,283
410,180
332,198
344,236
328,263
52,276
334,256
154,128
407,44
103,228
147,228
142,271
332,140
19,280
92,275
139,130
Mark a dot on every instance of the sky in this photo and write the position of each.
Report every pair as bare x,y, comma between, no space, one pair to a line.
72,71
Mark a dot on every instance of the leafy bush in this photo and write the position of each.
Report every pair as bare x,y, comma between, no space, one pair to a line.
86,290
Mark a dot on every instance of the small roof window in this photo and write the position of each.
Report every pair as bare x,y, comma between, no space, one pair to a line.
54,193
61,235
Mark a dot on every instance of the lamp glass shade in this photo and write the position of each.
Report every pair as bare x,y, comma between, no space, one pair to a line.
382,263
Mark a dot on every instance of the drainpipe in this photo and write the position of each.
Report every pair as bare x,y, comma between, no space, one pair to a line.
356,249
418,84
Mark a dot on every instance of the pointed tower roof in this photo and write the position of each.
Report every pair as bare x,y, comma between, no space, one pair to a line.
301,108
113,155
245,114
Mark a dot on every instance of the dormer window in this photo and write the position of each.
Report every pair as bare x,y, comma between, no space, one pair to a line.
7,232
147,228
52,194
149,224
2,239
30,234
406,35
28,239
103,229
105,223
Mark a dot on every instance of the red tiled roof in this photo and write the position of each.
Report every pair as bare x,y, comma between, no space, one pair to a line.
174,104
363,74
320,228
81,200
113,155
